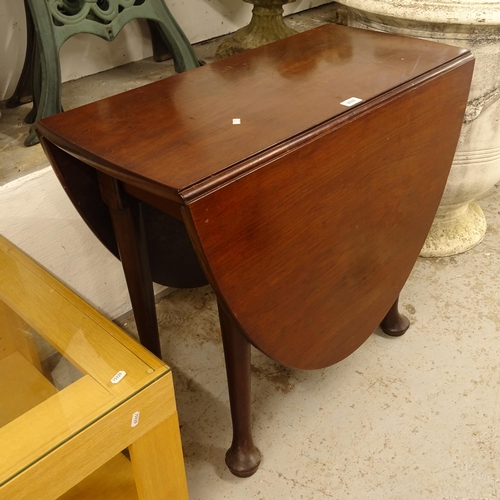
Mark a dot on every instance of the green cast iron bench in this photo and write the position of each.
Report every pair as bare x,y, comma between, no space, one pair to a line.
51,22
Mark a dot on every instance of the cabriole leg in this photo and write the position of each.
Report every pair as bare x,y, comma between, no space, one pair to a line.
243,457
395,323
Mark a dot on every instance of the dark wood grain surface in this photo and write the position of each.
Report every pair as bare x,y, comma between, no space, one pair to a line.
306,218
311,251
178,132
309,215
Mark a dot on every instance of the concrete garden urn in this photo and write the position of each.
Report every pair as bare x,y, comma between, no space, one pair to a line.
267,25
460,223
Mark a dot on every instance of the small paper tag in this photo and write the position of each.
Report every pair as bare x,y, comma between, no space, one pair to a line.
351,101
135,419
236,121
119,376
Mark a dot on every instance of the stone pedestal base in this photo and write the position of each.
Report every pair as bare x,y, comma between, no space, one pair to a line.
267,25
451,236
460,223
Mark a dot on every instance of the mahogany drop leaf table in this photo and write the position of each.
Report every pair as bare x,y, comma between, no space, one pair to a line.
300,179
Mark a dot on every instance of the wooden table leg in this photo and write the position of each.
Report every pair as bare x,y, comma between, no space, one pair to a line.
17,335
158,463
129,232
395,323
243,457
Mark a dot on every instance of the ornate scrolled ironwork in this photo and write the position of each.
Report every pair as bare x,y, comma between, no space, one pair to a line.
51,22
72,12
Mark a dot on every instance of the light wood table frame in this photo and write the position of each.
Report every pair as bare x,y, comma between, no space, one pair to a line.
55,444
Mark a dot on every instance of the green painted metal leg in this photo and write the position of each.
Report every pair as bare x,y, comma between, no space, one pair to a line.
50,72
182,51
161,52
36,84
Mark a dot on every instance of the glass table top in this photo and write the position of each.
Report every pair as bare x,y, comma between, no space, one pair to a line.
63,366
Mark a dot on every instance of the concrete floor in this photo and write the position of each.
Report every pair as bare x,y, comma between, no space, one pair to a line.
410,418
415,417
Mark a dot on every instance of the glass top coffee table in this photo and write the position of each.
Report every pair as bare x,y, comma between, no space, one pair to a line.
75,391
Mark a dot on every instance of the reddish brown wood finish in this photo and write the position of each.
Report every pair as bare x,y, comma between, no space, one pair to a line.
307,218
128,224
394,323
243,457
174,133
322,255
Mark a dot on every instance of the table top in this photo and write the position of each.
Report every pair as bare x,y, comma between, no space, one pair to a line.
63,366
177,134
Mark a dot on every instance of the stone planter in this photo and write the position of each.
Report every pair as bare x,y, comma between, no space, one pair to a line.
460,223
267,25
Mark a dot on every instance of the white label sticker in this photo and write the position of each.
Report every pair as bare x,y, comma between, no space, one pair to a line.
118,377
351,101
135,419
236,121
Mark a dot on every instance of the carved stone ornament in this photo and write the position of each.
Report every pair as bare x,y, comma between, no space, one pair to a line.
267,25
73,12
